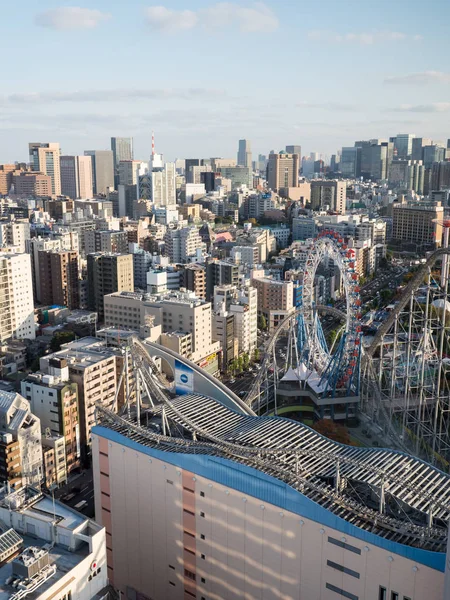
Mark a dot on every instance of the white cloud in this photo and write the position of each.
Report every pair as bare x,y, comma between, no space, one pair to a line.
71,17
112,95
434,107
256,17
425,77
363,38
168,20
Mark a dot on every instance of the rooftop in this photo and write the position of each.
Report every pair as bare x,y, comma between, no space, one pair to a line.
388,493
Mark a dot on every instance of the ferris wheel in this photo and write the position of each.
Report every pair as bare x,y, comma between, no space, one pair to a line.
337,370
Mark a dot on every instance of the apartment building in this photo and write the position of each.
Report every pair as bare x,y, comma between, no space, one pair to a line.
108,273
54,460
194,279
94,371
34,246
59,278
106,241
244,308
182,244
16,297
275,299
54,400
329,195
14,234
416,223
19,424
219,272
246,255
6,178
224,332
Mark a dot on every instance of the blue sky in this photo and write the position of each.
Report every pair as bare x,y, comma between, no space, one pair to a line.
204,74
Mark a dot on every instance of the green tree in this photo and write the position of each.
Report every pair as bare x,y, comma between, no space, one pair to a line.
262,322
60,338
240,364
245,361
256,354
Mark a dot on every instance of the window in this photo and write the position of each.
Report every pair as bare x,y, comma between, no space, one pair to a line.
188,593
189,551
203,556
344,545
202,494
334,565
394,596
189,534
169,482
203,580
202,514
186,489
188,512
342,593
171,567
189,574
172,583
202,537
382,593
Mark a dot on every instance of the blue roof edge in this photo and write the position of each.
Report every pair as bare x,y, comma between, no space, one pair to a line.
254,483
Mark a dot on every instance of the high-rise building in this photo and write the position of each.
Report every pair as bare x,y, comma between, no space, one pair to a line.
219,272
76,176
418,145
108,273
244,157
432,154
102,163
45,158
181,244
122,149
294,150
194,279
350,164
282,171
58,274
34,246
129,171
106,241
164,185
329,195
239,176
244,308
440,176
403,144
27,183
418,222
223,330
14,234
16,297
275,299
6,178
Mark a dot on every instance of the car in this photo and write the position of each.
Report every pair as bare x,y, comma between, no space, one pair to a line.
242,393
232,381
81,505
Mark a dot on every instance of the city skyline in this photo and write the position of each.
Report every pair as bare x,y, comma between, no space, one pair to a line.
396,78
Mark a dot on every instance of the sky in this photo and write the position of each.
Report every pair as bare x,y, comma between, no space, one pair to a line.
204,74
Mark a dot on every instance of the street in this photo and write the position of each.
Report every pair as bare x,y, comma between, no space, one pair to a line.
80,487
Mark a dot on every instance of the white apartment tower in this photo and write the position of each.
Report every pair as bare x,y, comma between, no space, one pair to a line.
16,297
245,312
14,233
183,243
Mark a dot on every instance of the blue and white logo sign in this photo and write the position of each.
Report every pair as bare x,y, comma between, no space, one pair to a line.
184,378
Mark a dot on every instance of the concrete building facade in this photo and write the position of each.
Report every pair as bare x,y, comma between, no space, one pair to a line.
108,273
282,171
45,158
16,297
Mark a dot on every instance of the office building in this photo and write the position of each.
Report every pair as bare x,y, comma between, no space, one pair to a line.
194,280
108,273
106,241
416,223
403,145
14,234
122,149
303,228
76,177
102,163
440,176
282,171
182,244
329,195
239,176
16,297
418,144
45,158
223,330
244,157
18,424
54,400
350,164
219,272
129,171
294,150
6,178
59,278
432,154
27,183
50,551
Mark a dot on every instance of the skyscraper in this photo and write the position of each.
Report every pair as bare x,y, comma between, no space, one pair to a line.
76,176
122,149
294,150
282,171
244,156
58,271
403,144
45,158
351,162
102,170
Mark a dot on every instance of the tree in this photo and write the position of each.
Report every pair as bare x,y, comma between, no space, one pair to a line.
262,322
256,354
240,364
333,431
245,361
60,338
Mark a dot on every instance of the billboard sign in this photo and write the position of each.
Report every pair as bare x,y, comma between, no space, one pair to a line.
184,378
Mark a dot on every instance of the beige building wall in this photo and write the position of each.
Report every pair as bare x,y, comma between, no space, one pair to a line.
46,159
179,535
283,171
85,184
